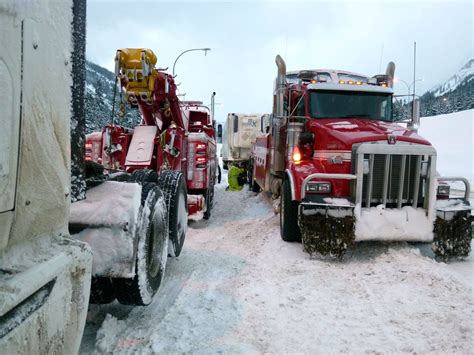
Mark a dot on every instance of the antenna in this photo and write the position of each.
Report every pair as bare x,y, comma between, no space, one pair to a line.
380,63
414,68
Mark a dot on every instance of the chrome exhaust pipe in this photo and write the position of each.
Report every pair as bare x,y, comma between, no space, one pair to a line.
280,84
278,144
390,72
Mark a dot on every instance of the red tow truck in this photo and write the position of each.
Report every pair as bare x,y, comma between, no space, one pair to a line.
174,135
343,168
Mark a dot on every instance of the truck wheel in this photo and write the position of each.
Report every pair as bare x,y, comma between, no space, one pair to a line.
93,169
225,165
254,187
144,175
289,229
219,174
174,188
209,202
152,251
102,290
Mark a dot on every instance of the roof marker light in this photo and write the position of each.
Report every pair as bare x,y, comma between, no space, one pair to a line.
342,82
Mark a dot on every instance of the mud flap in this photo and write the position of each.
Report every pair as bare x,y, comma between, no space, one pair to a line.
325,234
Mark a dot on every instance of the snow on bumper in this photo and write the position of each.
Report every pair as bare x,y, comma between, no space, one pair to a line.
388,224
408,224
107,221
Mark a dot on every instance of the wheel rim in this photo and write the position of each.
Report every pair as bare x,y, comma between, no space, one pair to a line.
154,245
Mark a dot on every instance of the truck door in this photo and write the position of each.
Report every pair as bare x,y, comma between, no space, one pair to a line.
10,108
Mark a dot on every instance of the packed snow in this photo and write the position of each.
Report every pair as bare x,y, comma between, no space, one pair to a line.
238,288
452,136
110,211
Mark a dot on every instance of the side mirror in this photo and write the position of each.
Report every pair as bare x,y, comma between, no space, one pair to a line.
415,115
305,138
219,133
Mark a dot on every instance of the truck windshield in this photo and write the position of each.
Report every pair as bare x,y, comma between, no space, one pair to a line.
350,104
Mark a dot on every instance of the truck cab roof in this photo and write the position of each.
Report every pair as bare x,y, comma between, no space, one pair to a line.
332,79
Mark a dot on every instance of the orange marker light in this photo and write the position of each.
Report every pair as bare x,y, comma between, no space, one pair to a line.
296,155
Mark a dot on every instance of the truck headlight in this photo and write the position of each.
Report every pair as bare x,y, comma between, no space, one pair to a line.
318,187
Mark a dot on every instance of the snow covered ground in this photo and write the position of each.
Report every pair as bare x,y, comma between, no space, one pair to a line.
238,288
452,136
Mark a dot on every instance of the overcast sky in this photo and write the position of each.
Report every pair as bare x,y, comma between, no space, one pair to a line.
246,36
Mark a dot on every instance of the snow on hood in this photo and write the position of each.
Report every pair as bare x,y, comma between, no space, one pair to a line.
337,134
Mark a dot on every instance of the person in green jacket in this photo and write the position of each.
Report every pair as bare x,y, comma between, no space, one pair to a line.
234,177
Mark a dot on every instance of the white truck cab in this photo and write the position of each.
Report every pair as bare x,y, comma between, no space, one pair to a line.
239,132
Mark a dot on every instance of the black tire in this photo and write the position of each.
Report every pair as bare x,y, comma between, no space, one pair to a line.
152,251
225,165
209,202
93,169
253,185
120,176
289,229
174,189
219,174
102,290
144,175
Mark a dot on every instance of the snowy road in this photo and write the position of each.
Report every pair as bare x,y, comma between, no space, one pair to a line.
237,288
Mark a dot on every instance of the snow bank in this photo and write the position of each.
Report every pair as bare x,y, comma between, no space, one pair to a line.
111,210
452,136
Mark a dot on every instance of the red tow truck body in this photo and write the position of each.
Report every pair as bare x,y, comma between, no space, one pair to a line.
173,135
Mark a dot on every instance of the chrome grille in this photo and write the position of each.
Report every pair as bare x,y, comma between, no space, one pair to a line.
396,165
395,175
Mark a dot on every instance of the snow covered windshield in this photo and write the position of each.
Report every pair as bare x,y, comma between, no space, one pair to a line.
350,104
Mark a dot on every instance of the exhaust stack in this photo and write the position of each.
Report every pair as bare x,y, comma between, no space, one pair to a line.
390,72
278,144
280,85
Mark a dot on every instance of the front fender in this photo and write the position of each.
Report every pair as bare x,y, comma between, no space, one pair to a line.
297,173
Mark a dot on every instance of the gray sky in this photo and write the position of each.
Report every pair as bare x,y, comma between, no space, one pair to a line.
245,37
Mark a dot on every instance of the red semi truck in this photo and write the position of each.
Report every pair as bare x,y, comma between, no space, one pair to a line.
345,171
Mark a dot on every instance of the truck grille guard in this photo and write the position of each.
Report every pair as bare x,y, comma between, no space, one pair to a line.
387,174
394,176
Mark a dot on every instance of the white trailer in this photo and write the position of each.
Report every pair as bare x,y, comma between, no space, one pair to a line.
239,132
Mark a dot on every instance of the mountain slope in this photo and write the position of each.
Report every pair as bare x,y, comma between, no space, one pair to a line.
456,94
462,77
99,100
